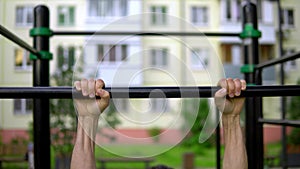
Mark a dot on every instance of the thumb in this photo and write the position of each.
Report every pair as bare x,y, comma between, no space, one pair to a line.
104,99
220,99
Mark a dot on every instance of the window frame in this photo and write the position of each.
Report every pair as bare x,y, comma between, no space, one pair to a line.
69,18
24,106
112,54
118,8
285,20
68,53
290,65
229,11
26,62
204,20
204,62
159,57
26,11
159,15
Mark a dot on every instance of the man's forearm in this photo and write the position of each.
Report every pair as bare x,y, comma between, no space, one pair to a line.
235,156
83,152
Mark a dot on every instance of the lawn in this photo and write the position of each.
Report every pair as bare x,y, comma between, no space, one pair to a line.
273,149
206,157
172,158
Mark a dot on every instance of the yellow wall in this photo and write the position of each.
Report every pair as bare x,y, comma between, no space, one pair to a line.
291,38
9,76
11,121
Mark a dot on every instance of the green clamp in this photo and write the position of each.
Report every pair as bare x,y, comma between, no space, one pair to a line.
248,68
44,55
250,32
41,31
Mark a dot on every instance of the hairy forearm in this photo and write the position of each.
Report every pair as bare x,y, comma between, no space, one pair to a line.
83,152
235,156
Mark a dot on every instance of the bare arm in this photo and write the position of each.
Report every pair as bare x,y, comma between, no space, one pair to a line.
235,156
88,111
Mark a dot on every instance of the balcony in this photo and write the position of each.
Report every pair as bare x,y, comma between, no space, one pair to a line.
231,21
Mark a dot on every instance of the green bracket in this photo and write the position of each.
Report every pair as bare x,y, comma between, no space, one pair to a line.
41,31
44,55
248,68
250,32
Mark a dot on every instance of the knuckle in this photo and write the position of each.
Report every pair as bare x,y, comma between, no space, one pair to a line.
100,83
106,95
91,80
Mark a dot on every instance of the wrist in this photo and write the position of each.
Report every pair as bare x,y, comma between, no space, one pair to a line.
231,121
89,125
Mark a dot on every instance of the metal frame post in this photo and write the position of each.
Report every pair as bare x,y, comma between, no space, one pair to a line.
282,81
218,143
254,136
41,120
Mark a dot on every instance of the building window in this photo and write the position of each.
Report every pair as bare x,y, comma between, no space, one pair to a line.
232,10
199,58
24,16
287,18
159,57
290,65
108,8
159,105
232,54
112,53
23,106
22,60
66,15
199,15
158,16
65,57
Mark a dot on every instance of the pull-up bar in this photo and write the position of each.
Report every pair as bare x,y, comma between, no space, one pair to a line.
275,61
126,33
147,92
285,122
9,35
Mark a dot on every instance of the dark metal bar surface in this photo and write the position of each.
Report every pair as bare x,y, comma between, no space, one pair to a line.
41,106
292,123
147,92
275,61
118,33
253,130
14,38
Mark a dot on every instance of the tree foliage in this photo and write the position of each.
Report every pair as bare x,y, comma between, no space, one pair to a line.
294,114
63,116
192,138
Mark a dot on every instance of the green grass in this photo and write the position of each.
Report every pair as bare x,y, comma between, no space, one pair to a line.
19,165
172,157
273,149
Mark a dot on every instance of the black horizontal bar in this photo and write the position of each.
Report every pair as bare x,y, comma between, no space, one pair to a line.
148,92
275,61
73,33
9,35
292,123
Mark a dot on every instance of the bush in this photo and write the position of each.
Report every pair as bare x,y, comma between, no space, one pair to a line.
294,114
154,133
192,139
